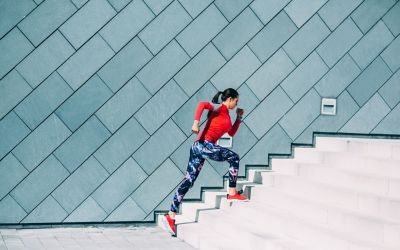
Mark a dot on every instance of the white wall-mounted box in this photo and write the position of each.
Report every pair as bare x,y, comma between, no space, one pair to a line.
328,106
225,141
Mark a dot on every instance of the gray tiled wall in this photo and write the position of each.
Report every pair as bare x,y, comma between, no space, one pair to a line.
97,97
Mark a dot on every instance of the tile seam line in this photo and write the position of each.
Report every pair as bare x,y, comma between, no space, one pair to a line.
101,122
112,94
183,49
15,200
144,44
187,12
349,15
180,129
26,98
127,197
390,111
104,40
26,81
381,87
112,6
137,78
255,14
56,72
380,53
98,161
71,1
290,58
384,61
66,39
151,10
12,154
153,211
314,13
319,115
245,83
90,196
259,18
30,42
355,113
259,139
220,12
1,78
33,9
354,61
193,17
155,17
44,200
380,18
362,71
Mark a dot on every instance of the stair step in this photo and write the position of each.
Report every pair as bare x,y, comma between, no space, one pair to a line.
360,224
379,167
233,236
249,217
315,155
308,155
250,241
383,206
213,196
347,162
246,187
343,178
374,148
191,209
190,233
331,144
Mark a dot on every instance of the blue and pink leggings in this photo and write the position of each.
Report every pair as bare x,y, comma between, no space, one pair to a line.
199,151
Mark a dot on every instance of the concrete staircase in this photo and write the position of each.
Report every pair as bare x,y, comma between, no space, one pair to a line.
344,194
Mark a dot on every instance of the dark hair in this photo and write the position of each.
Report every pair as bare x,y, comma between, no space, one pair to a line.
225,95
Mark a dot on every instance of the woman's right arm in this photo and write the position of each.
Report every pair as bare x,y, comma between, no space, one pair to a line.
199,111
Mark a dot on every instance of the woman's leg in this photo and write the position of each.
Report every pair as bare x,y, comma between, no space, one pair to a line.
194,167
218,153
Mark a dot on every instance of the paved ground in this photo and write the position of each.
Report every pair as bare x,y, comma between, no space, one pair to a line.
90,238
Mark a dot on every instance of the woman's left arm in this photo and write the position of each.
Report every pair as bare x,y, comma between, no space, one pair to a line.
236,125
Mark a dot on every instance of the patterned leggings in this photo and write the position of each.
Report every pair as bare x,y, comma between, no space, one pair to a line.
198,153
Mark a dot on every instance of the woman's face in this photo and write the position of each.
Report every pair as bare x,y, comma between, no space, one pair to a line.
232,102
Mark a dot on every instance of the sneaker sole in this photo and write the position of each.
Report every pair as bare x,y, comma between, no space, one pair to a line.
165,225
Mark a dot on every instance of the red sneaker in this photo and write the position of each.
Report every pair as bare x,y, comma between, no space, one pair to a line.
236,197
169,224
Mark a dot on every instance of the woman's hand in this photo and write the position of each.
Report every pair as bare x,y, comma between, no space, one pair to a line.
195,127
239,113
